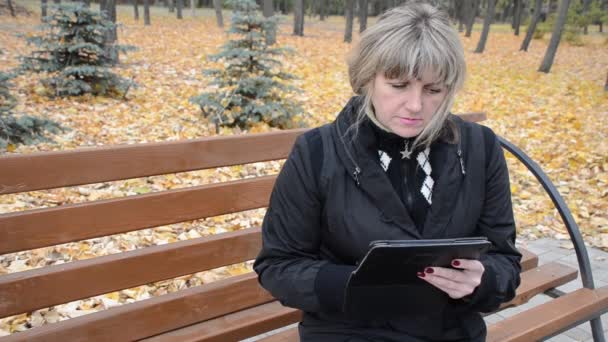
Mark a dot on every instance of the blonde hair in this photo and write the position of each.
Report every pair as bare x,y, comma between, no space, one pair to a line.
406,42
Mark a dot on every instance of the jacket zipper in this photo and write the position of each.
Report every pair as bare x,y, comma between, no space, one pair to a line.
357,170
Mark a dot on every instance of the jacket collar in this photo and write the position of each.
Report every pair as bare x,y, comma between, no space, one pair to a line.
358,155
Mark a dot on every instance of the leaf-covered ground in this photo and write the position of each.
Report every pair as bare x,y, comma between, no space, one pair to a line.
560,119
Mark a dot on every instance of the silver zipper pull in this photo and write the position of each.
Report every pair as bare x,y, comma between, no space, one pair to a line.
464,172
356,175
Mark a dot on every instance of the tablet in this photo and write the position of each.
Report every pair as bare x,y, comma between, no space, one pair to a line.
398,261
385,283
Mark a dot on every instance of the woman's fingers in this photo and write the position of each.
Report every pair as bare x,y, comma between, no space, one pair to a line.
453,289
469,265
457,283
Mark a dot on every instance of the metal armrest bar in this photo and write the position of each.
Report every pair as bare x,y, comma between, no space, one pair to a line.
562,208
566,215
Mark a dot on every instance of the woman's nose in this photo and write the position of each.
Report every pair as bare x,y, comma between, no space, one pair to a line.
413,101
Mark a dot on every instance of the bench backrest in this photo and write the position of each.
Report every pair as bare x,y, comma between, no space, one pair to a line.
30,290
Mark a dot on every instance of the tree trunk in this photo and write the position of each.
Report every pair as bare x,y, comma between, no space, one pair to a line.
112,11
10,7
108,9
586,4
534,21
298,18
551,7
517,16
362,15
171,6
505,12
217,4
348,31
43,6
322,9
146,12
461,9
180,6
472,10
481,45
135,10
555,37
268,11
192,8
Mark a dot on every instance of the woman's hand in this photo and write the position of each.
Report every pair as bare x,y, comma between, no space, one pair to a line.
457,283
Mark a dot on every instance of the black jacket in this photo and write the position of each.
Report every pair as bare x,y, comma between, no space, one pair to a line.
320,222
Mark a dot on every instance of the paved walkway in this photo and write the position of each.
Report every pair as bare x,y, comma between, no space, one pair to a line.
549,250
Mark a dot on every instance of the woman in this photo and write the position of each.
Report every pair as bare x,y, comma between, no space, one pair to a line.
393,165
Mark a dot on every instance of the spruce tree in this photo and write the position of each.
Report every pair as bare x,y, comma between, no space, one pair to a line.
19,129
251,88
73,50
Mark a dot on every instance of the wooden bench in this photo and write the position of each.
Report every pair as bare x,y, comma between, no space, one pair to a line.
224,310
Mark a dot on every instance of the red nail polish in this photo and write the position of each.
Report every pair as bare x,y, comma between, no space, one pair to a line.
429,270
456,263
421,274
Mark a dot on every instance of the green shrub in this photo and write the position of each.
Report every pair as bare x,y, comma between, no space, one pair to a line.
74,51
250,89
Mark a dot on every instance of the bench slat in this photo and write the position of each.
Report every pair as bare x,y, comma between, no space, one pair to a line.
236,326
551,317
51,226
156,315
533,282
47,170
528,261
29,290
539,280
52,285
289,335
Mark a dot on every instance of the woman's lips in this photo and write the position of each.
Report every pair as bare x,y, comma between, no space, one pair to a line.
409,121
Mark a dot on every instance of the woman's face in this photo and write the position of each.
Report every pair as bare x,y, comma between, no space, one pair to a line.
406,106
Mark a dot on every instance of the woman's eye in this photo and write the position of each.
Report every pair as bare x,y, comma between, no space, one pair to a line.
434,90
399,85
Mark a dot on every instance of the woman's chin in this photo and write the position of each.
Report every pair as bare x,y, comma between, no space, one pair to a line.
406,132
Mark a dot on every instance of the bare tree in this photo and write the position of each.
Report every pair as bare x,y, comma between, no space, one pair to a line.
268,12
217,4
298,18
348,31
11,8
586,4
146,12
472,13
555,37
532,27
481,45
135,10
43,7
461,11
362,15
322,8
180,6
517,16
